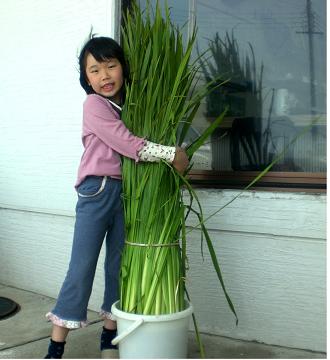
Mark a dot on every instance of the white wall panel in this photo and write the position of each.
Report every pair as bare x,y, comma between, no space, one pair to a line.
41,98
278,287
273,213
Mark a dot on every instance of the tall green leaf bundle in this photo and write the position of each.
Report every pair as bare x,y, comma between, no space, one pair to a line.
159,102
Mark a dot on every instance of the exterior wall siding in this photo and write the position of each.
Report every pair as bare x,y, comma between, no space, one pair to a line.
271,245
272,250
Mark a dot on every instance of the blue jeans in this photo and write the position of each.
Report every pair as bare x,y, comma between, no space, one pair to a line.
99,215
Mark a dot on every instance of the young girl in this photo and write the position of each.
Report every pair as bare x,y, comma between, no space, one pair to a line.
99,213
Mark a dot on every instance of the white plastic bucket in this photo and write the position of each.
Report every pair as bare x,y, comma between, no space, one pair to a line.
152,336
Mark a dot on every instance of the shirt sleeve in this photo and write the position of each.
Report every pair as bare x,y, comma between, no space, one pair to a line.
102,120
152,152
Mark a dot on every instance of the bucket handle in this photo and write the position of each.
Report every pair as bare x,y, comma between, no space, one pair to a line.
127,331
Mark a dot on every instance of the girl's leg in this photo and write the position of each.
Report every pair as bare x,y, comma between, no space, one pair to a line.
92,219
114,248
71,306
92,222
59,333
110,324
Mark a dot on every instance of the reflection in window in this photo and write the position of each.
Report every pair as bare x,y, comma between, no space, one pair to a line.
272,55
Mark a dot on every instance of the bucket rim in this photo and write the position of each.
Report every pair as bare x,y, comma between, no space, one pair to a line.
151,318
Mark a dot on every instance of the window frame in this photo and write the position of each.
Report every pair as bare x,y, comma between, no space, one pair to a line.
272,181
309,182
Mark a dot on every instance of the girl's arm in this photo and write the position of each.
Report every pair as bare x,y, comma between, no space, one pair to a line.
101,119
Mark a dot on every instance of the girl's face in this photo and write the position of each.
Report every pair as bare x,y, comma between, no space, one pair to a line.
106,77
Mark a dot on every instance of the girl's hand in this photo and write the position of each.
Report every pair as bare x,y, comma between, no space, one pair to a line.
181,161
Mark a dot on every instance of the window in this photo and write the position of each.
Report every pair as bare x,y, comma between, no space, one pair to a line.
272,55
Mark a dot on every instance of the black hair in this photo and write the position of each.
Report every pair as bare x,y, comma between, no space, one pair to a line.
102,48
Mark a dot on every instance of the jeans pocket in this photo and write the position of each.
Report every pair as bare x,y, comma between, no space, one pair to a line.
91,186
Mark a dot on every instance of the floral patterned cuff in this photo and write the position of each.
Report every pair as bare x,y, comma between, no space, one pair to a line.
153,152
69,324
107,315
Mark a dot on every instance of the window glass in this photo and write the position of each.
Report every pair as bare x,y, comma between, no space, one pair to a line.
272,56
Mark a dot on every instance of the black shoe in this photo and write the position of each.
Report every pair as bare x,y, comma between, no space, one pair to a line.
108,351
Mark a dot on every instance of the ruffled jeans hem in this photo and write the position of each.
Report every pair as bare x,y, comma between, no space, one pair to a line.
107,315
72,324
69,324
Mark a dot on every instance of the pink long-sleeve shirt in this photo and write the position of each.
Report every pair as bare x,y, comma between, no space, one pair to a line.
105,138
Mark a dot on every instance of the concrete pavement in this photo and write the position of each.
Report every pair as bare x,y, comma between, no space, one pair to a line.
26,335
